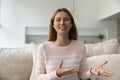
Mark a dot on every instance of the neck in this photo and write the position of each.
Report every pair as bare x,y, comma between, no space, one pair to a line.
62,41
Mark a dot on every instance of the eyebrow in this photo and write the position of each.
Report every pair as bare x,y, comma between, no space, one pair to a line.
63,17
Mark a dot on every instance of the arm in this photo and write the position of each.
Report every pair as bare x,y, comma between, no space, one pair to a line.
92,73
84,72
40,67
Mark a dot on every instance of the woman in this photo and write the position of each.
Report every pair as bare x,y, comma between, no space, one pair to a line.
62,57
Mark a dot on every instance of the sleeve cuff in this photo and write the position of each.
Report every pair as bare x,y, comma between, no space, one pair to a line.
89,73
54,76
92,76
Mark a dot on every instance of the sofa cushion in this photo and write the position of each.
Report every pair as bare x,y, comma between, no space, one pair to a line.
106,47
34,52
113,65
15,63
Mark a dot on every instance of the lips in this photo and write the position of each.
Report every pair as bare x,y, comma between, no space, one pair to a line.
62,28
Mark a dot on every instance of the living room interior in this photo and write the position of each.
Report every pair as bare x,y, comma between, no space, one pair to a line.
26,21
24,24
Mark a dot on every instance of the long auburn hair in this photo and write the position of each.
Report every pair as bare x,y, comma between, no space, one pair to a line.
52,32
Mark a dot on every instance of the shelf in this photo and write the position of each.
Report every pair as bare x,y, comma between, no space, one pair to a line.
90,31
40,34
36,30
35,34
88,39
35,38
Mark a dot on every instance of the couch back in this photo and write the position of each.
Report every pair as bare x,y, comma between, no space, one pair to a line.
15,63
106,47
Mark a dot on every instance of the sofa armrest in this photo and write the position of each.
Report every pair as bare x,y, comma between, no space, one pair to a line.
112,65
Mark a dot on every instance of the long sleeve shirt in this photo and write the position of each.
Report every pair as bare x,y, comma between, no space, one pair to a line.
73,56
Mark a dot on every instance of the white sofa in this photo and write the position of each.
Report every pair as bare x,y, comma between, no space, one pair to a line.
107,50
19,63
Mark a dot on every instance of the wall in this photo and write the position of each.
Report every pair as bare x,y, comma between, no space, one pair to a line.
89,14
0,20
9,30
17,14
108,8
0,12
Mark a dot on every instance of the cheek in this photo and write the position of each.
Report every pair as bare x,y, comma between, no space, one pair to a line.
70,26
54,24
55,27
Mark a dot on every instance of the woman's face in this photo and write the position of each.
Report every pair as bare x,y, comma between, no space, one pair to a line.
62,23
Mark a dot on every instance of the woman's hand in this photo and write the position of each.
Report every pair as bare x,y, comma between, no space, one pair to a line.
61,72
98,70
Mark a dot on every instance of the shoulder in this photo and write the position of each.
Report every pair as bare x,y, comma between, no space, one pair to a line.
45,44
79,45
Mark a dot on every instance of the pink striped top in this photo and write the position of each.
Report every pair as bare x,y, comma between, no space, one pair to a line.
73,56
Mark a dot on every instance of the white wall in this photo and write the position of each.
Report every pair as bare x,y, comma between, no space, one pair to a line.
109,7
17,14
9,32
0,20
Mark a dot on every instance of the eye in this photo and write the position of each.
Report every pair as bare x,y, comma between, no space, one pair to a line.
66,19
57,20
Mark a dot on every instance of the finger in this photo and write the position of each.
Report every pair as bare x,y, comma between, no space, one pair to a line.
108,73
60,64
102,64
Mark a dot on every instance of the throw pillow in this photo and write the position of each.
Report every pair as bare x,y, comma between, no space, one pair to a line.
34,52
112,65
105,47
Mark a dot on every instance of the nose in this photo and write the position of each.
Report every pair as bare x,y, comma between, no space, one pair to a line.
62,22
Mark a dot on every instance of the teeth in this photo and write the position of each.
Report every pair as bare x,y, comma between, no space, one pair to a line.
62,28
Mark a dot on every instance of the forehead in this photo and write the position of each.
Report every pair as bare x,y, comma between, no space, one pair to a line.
62,14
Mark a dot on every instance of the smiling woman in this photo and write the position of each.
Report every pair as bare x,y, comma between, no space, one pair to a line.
63,57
